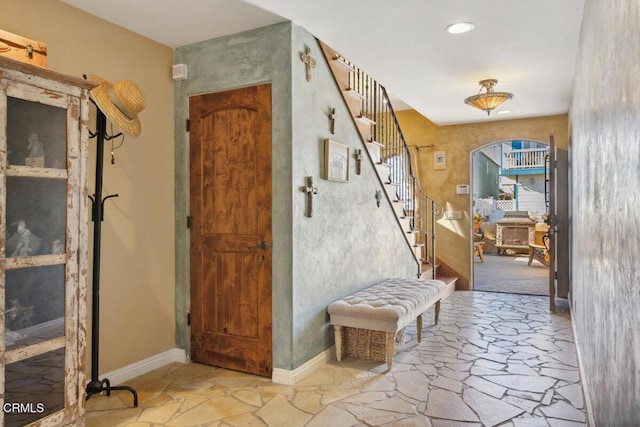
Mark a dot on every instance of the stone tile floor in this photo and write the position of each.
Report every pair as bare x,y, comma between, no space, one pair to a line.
494,360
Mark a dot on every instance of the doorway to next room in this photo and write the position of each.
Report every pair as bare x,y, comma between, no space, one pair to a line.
509,209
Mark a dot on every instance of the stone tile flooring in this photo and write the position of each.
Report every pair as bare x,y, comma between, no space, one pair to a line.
495,360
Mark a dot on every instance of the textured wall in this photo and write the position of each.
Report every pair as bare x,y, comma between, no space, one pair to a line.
349,243
605,150
244,59
137,234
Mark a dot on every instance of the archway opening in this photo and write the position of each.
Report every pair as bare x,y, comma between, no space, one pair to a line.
509,208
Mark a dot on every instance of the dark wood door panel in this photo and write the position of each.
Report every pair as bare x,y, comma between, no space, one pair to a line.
230,183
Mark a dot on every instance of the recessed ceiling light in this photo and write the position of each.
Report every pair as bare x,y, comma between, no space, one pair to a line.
459,27
503,112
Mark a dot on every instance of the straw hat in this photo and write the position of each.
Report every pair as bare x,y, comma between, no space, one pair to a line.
120,102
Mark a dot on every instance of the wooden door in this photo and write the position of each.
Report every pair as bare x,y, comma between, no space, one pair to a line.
230,190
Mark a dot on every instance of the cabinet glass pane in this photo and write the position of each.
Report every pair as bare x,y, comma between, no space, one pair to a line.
34,388
36,216
35,305
36,134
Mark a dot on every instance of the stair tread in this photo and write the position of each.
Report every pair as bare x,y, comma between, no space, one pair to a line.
354,93
366,120
448,279
426,266
338,60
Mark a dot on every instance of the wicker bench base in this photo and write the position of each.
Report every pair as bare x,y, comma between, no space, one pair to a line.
368,344
373,345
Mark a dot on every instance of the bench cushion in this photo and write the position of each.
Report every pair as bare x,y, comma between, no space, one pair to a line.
387,306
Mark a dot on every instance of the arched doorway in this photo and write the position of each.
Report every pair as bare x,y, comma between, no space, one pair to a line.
509,206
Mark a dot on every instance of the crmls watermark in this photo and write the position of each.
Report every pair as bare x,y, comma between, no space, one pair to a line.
23,408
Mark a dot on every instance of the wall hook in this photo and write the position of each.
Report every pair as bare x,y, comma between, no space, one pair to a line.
309,190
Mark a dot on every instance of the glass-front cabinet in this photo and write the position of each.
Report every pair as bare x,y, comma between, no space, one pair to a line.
43,265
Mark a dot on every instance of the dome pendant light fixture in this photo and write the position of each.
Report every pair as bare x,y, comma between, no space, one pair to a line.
459,27
488,100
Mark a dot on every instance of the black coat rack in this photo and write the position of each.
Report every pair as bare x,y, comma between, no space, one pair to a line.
97,386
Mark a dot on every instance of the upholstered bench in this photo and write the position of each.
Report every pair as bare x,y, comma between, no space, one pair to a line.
386,307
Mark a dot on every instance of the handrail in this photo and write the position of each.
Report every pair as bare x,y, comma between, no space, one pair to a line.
524,159
421,209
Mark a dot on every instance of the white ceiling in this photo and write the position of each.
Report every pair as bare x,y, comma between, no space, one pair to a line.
528,45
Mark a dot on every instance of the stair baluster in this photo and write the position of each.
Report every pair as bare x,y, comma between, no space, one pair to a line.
374,110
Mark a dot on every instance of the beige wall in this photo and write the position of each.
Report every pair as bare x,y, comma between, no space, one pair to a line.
458,141
137,280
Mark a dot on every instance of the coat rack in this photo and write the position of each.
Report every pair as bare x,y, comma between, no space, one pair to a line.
97,386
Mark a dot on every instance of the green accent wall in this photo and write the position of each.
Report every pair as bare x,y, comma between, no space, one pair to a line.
349,243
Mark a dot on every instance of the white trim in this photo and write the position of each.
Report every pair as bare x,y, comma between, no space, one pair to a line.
287,377
583,378
141,367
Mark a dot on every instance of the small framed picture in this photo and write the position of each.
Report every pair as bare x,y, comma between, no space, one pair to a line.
336,161
439,159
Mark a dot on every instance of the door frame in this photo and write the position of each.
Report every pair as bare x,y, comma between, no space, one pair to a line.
188,184
470,205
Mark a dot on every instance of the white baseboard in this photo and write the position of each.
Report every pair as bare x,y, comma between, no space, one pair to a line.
280,376
585,388
291,377
120,375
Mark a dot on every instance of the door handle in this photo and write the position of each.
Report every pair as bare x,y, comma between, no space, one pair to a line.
261,245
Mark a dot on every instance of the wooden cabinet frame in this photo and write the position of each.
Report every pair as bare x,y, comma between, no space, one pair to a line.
44,87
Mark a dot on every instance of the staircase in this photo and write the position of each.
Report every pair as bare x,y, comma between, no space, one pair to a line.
387,148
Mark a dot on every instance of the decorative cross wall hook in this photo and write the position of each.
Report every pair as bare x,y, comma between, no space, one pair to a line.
309,190
332,121
358,156
308,61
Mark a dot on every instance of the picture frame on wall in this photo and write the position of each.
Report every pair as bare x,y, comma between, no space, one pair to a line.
336,161
440,160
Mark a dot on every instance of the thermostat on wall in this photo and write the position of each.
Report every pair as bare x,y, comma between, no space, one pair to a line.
180,72
462,189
